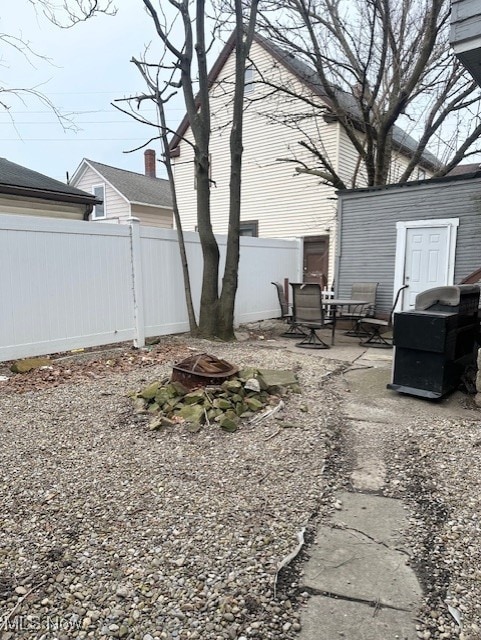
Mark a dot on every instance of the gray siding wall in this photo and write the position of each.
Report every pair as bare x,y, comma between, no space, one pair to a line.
367,224
465,22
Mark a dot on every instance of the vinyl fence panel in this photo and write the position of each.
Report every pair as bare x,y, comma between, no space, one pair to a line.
67,284
163,285
64,284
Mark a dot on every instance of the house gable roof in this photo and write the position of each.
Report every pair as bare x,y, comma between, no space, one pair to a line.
308,76
137,188
20,181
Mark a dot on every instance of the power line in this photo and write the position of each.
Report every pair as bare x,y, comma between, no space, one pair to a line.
12,111
68,139
56,122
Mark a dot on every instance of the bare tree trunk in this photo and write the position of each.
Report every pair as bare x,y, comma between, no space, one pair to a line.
244,36
209,300
199,116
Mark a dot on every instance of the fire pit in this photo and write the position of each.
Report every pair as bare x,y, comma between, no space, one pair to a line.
202,369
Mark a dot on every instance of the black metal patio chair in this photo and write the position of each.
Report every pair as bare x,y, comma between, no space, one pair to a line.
294,331
308,311
376,328
357,313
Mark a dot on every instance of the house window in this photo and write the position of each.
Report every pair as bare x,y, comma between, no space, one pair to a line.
249,228
249,79
99,209
421,174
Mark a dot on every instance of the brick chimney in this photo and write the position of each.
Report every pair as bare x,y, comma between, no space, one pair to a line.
149,156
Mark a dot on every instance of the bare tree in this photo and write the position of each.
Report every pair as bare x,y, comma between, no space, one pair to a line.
67,13
11,94
382,69
183,65
189,66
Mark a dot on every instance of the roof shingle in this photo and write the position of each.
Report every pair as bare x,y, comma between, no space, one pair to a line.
15,177
136,187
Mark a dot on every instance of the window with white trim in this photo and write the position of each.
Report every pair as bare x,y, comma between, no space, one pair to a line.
249,228
249,79
99,209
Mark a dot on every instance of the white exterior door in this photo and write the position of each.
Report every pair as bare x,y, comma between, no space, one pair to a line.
425,255
426,260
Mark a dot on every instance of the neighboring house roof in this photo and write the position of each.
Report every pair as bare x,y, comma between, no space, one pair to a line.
310,78
20,181
137,188
463,169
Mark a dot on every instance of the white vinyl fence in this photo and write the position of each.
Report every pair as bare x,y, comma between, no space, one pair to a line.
66,284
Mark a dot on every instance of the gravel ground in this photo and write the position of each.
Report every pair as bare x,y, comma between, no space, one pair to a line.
111,530
435,468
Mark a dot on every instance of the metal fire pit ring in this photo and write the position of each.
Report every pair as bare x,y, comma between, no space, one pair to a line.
202,369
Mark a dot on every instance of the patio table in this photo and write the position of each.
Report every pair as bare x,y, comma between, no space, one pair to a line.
332,304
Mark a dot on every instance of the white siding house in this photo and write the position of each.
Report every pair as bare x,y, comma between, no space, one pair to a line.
276,201
126,194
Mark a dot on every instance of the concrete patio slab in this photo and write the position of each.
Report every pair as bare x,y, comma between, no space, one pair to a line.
348,563
377,354
382,519
327,619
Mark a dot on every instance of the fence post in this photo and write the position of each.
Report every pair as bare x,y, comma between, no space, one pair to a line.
136,262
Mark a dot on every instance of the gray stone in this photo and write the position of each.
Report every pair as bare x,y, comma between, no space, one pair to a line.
192,413
22,366
140,405
252,384
274,378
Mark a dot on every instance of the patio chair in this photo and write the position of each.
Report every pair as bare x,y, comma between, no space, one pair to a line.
375,328
309,313
356,313
294,330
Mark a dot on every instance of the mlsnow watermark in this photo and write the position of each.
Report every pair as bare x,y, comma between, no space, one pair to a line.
38,623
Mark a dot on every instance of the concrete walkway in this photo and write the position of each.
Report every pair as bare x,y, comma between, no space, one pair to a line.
358,574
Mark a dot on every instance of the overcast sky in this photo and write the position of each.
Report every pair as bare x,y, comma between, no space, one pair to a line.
90,67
